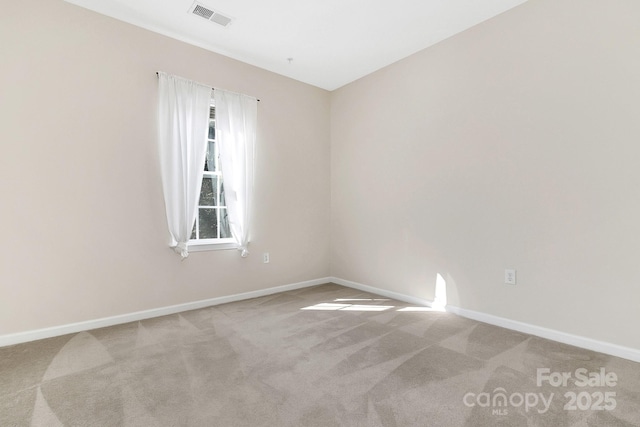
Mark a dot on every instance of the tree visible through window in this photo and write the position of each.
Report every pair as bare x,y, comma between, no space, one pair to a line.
212,220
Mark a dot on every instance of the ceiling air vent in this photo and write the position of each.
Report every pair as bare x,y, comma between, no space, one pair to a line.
209,14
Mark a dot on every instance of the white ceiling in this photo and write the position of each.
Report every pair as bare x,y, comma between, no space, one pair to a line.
332,42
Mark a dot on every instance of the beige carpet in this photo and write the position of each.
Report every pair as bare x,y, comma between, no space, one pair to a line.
321,356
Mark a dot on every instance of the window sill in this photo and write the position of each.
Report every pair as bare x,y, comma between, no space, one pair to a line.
212,245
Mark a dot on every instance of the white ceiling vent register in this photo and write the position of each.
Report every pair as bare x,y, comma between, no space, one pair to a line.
209,14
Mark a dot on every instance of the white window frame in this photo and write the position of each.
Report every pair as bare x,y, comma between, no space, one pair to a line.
197,245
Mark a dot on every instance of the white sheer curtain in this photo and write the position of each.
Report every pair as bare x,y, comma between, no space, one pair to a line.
236,119
183,123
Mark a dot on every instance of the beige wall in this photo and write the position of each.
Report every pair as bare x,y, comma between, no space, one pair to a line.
82,214
514,144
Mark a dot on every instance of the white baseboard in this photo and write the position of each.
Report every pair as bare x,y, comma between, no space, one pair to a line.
551,334
21,337
563,337
382,292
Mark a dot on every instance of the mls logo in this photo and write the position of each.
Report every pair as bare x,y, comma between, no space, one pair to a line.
499,412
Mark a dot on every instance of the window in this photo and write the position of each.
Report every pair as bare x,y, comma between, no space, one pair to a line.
186,166
212,222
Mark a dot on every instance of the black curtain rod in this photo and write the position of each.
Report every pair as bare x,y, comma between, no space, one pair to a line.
158,75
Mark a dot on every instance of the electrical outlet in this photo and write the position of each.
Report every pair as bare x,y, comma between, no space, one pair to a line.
265,257
510,277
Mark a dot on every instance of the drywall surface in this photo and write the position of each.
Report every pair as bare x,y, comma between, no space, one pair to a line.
83,222
513,145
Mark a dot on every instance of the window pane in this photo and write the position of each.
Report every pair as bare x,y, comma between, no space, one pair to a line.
223,202
224,224
208,224
212,130
193,232
210,163
208,191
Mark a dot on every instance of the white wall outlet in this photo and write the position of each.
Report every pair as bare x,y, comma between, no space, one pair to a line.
265,257
510,277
